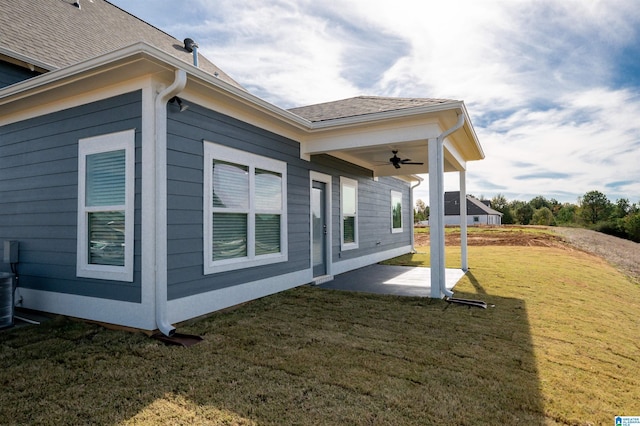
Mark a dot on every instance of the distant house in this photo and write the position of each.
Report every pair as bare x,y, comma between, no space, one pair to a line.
479,212
144,186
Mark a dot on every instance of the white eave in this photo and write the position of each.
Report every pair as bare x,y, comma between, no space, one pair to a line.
23,59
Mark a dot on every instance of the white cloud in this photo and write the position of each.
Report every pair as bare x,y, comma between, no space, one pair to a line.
591,137
550,91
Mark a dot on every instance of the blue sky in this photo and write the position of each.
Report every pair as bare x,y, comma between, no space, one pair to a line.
552,87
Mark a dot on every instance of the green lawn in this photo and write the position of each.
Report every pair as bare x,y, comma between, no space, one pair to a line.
561,345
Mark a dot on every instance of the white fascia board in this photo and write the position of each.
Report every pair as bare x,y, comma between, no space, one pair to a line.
26,59
386,115
247,98
76,71
471,132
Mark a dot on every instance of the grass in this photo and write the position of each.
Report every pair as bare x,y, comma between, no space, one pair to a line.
560,346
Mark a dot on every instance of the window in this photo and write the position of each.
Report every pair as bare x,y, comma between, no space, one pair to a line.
245,216
106,173
396,211
476,219
348,213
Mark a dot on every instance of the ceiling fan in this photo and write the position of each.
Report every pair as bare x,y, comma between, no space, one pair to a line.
397,161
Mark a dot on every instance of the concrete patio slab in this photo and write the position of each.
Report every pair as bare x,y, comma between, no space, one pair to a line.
394,280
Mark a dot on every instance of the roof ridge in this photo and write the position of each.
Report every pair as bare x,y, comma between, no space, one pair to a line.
398,98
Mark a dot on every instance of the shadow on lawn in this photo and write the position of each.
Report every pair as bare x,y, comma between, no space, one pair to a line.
306,356
475,283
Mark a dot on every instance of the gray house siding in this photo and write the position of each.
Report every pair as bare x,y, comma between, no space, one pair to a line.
11,74
186,132
39,194
374,208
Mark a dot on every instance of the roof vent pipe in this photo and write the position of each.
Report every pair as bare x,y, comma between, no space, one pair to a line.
191,46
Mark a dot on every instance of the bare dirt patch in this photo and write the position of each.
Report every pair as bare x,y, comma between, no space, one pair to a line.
500,236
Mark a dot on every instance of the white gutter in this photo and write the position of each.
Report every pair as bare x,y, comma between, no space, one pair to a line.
455,127
385,115
439,231
413,237
26,59
160,212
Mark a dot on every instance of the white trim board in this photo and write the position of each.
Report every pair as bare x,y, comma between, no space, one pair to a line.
129,314
327,180
205,303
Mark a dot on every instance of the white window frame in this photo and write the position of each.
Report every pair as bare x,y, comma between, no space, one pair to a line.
124,140
395,195
224,153
346,182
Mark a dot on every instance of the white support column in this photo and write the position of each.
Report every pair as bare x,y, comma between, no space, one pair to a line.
436,217
464,264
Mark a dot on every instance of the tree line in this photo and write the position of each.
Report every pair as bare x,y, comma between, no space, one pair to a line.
593,210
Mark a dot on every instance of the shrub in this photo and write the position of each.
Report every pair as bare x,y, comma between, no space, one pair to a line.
542,216
632,227
613,227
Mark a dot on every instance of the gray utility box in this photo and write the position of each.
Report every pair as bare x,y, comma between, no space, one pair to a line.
11,251
6,299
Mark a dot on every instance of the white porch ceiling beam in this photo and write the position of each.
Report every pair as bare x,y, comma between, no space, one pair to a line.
365,136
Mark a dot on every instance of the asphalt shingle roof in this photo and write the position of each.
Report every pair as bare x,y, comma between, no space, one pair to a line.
361,105
474,206
57,33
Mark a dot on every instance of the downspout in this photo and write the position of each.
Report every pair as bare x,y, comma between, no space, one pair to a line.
440,143
161,100
413,224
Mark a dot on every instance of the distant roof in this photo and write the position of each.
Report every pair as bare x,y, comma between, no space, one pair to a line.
474,206
54,34
362,105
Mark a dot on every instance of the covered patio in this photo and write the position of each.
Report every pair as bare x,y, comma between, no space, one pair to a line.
394,280
428,136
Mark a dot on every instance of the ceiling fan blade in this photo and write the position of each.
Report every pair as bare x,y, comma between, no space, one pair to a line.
397,161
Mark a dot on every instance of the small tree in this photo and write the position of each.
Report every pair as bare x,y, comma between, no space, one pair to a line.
567,214
543,216
539,202
632,226
421,211
524,213
594,207
500,203
621,208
